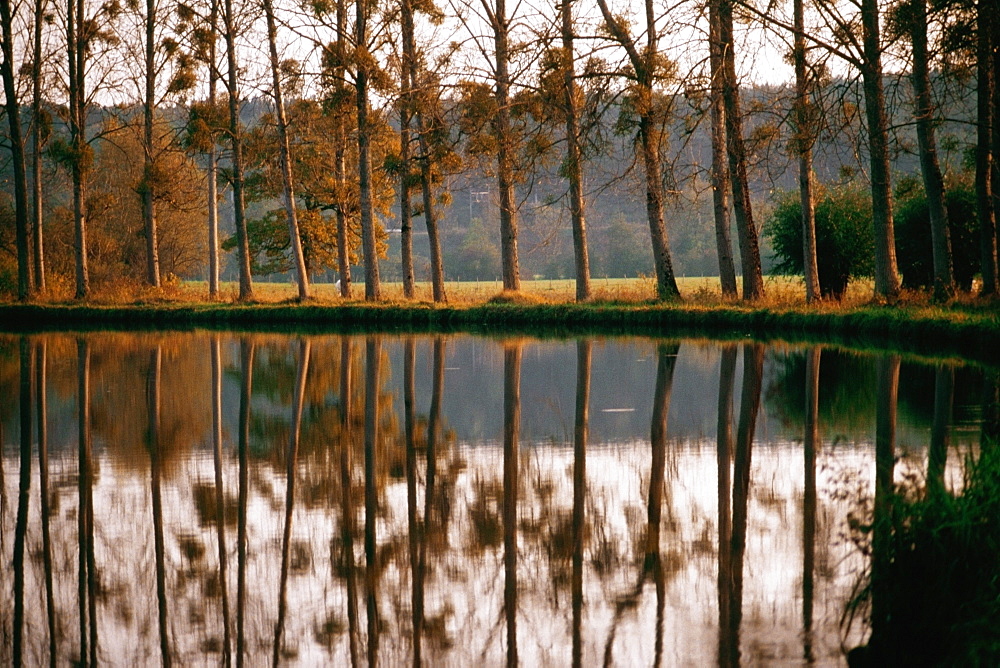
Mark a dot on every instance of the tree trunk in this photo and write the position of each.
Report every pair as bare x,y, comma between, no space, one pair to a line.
991,231
37,233
666,283
720,170
886,273
804,139
985,92
753,279
148,177
373,287
236,140
373,361
505,177
405,116
78,131
155,474
340,167
16,140
430,216
930,167
644,67
426,177
213,168
511,446
284,151
574,167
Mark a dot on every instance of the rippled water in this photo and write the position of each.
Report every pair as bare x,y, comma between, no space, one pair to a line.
452,500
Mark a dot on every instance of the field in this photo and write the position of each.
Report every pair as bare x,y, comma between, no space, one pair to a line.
781,290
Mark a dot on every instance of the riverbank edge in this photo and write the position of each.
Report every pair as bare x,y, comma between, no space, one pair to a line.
935,332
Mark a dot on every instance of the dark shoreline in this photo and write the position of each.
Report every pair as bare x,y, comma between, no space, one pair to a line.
973,335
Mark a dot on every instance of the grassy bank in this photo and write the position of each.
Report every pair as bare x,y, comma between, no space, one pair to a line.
966,331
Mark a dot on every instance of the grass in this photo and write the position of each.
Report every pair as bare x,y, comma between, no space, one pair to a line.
703,290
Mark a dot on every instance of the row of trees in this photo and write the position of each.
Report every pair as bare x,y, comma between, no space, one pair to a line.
387,101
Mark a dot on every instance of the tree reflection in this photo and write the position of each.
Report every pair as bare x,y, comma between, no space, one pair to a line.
727,381
373,361
87,585
247,351
153,447
420,535
580,425
887,378
347,525
292,461
409,420
23,497
753,373
41,378
811,445
511,429
944,399
220,497
651,564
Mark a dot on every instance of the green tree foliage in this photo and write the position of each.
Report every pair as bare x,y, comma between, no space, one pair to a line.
844,237
913,235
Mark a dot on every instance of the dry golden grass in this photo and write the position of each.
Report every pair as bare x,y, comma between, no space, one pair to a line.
781,291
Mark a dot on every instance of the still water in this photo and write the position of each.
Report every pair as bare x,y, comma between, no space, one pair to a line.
193,498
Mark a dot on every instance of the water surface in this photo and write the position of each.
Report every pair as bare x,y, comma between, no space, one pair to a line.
329,500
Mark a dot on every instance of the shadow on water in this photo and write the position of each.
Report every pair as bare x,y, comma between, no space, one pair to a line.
493,502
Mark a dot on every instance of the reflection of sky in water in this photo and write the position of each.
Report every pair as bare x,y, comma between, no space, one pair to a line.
465,582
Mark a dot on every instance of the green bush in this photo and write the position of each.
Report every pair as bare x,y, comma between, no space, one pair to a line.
913,235
844,238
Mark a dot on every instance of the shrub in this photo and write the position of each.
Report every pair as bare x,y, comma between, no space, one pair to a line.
913,236
844,238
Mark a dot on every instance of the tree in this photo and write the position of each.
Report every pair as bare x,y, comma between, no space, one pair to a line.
572,165
486,118
753,281
117,229
865,55
648,67
162,70
12,105
206,123
405,113
236,142
86,37
416,106
40,128
302,276
364,64
318,187
870,64
986,142
804,139
720,170
912,18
